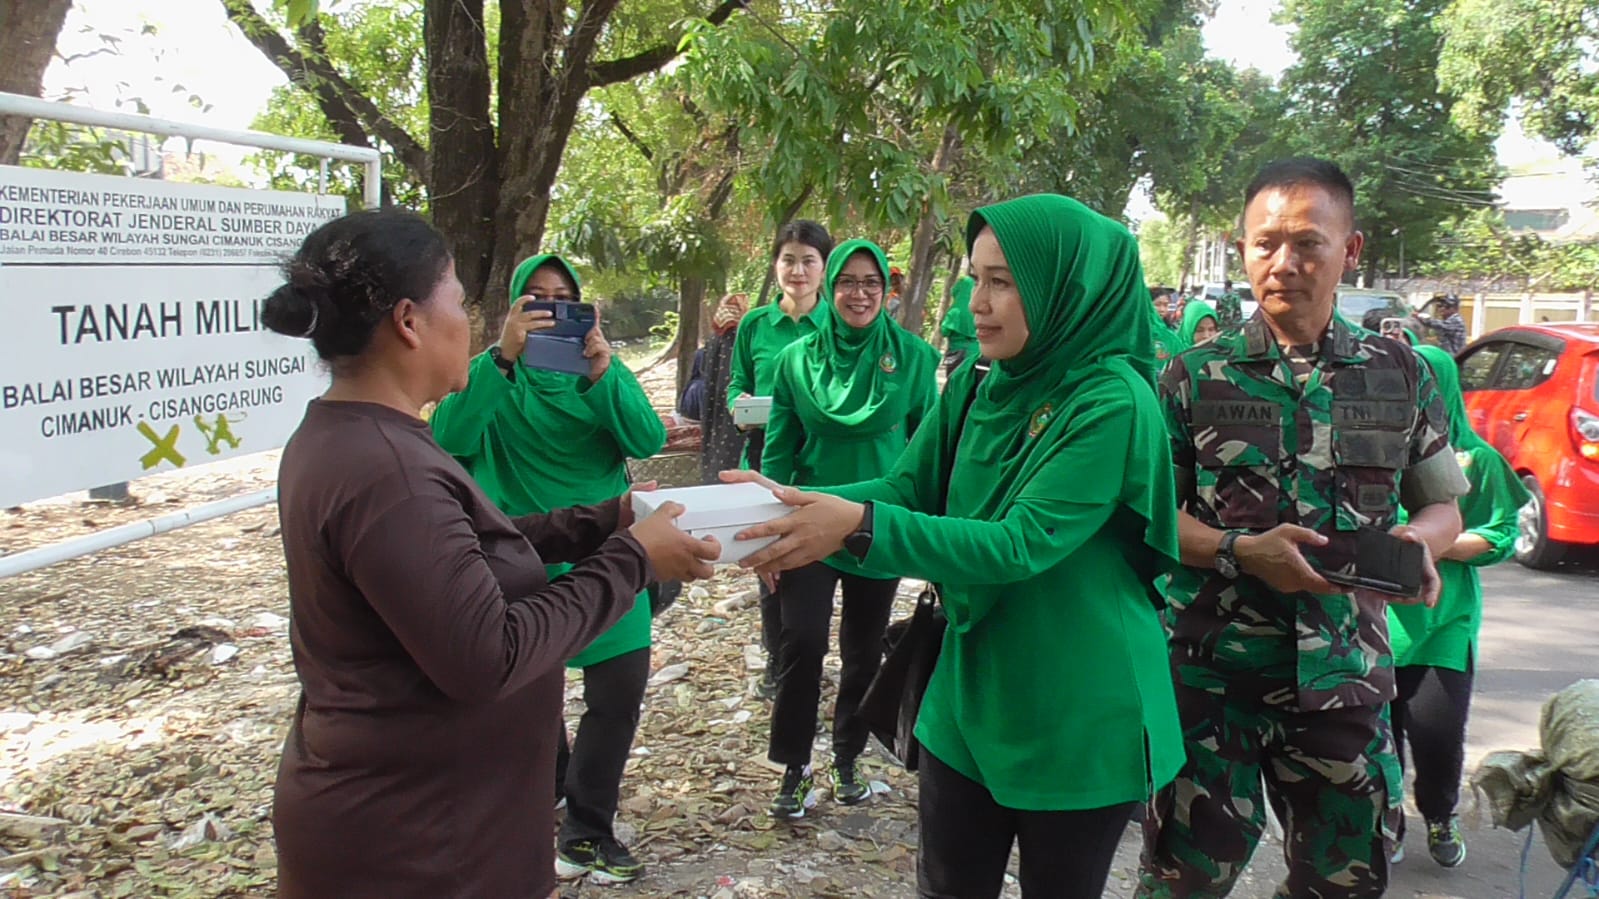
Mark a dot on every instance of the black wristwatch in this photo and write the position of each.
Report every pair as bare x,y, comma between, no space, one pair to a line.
506,365
1226,560
859,543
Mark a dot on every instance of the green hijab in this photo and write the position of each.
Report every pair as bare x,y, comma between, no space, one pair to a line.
1195,312
958,320
552,384
1090,340
1164,342
846,374
1447,374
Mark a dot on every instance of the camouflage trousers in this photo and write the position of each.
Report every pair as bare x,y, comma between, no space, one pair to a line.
1332,777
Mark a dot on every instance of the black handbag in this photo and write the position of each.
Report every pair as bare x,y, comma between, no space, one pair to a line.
912,644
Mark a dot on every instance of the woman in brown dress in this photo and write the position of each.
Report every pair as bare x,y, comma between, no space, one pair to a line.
428,643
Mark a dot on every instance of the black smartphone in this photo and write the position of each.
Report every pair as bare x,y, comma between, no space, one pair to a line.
559,348
1384,563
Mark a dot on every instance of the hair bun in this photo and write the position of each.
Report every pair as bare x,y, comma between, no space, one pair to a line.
295,307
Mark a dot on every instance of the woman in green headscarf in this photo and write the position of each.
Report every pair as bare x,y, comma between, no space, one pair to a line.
1165,341
1200,324
1051,714
845,401
539,440
960,334
1435,649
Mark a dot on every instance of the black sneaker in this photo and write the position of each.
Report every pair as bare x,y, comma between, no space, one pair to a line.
766,688
1445,842
605,861
576,858
848,787
794,796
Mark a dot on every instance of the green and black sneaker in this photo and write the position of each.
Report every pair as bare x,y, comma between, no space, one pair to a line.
1445,842
794,796
604,861
848,787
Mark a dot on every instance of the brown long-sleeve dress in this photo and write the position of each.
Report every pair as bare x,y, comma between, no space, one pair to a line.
429,648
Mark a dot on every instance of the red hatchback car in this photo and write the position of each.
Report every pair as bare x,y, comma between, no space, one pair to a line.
1533,392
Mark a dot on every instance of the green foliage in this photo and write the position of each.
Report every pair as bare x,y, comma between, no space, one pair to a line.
70,148
1365,94
378,48
1163,250
1538,52
855,103
1478,247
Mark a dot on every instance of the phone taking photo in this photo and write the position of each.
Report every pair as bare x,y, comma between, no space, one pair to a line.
1393,328
559,348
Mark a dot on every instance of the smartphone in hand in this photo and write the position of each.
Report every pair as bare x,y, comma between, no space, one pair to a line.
559,348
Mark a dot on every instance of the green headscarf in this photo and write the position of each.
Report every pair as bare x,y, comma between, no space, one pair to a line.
1164,342
1090,344
552,384
958,320
1447,374
1195,312
844,367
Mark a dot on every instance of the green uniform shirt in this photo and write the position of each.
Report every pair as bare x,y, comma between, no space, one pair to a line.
548,441
1445,636
958,327
1052,690
1254,448
762,334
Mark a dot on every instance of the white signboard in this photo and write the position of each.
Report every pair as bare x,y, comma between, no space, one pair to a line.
133,340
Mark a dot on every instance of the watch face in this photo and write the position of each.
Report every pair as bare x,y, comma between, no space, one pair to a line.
1226,567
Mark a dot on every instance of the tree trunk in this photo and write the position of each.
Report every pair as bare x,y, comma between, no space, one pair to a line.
28,32
690,305
923,241
1190,243
465,177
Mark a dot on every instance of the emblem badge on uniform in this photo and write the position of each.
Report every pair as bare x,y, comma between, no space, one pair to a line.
1463,458
1040,420
887,363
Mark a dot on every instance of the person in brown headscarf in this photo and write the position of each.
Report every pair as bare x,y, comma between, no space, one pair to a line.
428,642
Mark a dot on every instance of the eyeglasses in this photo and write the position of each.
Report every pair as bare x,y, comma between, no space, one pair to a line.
869,286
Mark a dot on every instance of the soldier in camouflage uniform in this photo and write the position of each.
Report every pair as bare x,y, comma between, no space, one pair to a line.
1229,307
1287,436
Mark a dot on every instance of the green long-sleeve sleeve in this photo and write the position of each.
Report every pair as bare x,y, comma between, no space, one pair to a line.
741,369
785,434
461,421
621,407
1490,510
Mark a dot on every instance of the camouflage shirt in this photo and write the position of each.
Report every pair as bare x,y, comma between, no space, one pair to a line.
1255,447
1229,311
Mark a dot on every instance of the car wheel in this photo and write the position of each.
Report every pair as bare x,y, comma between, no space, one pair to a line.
1534,549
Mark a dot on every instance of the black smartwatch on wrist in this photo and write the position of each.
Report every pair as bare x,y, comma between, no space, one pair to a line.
859,543
1226,559
506,365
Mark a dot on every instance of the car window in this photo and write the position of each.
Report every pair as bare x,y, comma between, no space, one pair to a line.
1355,307
1478,366
1525,367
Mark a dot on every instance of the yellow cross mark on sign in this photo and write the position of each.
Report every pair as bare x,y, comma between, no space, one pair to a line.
216,434
165,447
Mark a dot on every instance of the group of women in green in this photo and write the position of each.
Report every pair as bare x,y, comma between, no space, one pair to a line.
1036,494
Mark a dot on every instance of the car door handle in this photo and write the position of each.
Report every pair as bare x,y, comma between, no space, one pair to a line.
1519,416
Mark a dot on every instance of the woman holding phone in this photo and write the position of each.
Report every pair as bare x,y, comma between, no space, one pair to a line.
539,440
1050,714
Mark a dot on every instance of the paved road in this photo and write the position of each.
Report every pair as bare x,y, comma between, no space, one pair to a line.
1540,633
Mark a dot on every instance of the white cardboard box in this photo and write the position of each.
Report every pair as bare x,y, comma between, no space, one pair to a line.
752,412
717,510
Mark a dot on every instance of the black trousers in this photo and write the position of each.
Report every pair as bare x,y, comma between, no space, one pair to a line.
966,839
589,774
805,601
1429,714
